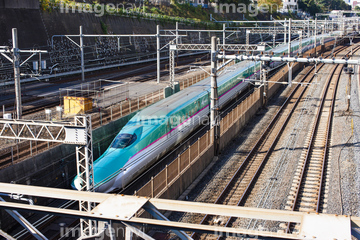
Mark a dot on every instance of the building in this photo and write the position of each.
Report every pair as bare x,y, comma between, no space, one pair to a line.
291,5
355,4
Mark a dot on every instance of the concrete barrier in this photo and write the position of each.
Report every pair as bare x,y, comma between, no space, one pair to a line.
188,176
233,122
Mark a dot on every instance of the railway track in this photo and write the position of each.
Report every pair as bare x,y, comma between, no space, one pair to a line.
236,188
40,105
308,186
261,146
46,222
36,104
26,149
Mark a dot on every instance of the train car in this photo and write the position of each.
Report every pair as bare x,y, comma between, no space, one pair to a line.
156,129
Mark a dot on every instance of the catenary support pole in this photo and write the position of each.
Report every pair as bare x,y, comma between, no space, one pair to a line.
300,42
16,64
289,43
177,41
289,55
315,35
158,52
274,35
224,40
214,123
285,31
82,54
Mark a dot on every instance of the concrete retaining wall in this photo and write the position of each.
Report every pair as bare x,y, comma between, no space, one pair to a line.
36,27
25,172
21,4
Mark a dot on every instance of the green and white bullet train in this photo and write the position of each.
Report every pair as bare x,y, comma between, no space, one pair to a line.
156,129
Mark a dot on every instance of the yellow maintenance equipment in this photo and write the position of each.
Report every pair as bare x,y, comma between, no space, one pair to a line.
77,105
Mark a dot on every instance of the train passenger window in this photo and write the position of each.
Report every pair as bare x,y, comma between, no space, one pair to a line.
123,140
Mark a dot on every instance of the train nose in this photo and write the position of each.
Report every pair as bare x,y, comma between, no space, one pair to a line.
101,176
76,184
107,180
102,180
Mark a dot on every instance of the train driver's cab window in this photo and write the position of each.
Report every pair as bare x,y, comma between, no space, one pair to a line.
123,140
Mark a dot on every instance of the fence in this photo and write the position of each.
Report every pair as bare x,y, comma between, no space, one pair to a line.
163,180
102,92
239,112
167,176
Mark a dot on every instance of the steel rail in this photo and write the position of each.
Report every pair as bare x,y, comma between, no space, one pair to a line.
313,135
278,135
328,135
276,139
249,156
310,147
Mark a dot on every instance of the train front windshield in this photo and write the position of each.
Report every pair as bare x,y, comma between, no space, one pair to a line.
123,140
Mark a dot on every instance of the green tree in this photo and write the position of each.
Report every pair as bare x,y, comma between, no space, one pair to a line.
320,6
357,8
277,3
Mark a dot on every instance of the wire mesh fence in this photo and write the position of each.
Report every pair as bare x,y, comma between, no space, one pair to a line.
102,93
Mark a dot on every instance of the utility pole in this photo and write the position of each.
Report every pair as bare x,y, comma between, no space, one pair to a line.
16,64
214,121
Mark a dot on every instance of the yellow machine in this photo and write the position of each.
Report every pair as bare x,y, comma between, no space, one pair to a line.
76,105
